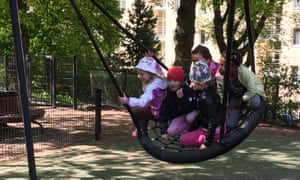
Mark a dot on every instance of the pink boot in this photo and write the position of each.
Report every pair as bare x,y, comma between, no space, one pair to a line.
193,138
201,139
134,133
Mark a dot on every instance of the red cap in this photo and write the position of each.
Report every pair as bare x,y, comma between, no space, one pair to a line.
176,73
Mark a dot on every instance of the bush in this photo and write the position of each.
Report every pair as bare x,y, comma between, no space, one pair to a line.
282,88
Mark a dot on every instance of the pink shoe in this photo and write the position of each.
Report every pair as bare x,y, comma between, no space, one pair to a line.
134,133
201,139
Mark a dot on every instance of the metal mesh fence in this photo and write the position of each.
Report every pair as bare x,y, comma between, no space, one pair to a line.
61,94
52,93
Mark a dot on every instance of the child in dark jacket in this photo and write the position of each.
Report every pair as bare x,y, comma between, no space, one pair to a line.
178,106
208,104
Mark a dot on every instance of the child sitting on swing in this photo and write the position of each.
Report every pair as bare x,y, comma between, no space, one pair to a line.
244,88
147,106
208,105
178,105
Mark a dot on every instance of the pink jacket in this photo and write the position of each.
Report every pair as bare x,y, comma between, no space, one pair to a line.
152,96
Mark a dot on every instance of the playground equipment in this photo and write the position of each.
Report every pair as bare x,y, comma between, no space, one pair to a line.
149,138
148,131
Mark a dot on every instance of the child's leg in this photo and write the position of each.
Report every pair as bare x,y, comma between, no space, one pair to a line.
142,113
208,105
191,116
193,138
233,114
254,102
178,126
218,133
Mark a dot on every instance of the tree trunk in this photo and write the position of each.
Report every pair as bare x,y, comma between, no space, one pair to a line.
184,33
240,41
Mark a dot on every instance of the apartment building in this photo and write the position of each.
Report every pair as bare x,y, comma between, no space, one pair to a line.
290,35
166,13
290,38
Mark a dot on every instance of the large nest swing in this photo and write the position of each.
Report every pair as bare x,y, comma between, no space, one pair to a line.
149,131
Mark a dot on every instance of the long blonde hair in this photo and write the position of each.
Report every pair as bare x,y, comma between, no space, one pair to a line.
152,77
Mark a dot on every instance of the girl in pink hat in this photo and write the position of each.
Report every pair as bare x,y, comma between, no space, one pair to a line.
147,106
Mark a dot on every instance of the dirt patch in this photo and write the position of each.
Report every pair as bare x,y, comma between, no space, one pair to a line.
281,131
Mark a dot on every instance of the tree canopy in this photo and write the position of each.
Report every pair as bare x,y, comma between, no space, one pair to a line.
52,27
141,23
260,11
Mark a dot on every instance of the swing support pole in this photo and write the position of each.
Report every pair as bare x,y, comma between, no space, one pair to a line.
250,34
227,65
13,4
229,49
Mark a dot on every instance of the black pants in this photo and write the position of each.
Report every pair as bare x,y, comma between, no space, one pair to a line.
208,104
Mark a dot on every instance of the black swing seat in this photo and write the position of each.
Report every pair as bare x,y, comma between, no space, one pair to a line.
174,152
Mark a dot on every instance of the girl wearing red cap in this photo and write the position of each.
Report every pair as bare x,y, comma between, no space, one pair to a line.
178,106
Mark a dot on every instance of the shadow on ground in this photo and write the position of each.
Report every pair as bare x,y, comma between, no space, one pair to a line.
268,153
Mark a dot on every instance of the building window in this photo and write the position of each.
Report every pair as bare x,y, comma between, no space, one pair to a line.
294,74
162,51
297,37
122,5
297,3
160,25
174,4
177,4
171,4
202,36
276,56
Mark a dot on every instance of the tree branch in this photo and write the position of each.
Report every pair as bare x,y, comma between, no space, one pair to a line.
219,22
